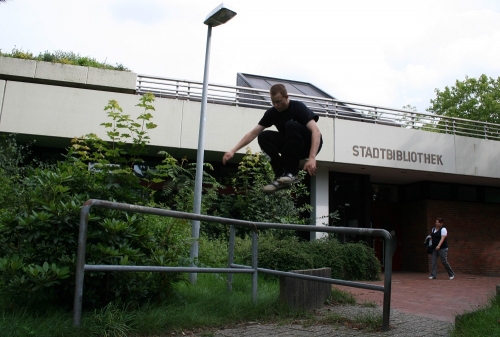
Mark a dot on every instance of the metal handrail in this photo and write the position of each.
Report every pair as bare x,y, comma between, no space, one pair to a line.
327,107
82,267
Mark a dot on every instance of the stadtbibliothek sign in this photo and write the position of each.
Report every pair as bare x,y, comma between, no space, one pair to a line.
391,154
392,146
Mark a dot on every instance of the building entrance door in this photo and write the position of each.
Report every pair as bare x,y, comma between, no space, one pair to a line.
384,213
349,195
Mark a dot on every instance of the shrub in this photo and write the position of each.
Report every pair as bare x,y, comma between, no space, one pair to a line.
38,243
283,254
213,252
349,261
38,233
359,262
59,56
249,202
328,253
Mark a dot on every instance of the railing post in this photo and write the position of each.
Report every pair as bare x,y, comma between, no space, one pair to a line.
255,252
386,311
485,132
232,234
80,264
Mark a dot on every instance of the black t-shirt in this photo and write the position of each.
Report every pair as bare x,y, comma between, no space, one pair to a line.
296,111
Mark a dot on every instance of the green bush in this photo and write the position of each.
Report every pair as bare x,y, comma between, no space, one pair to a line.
328,253
249,202
39,227
213,252
359,262
11,170
38,242
349,261
282,254
59,56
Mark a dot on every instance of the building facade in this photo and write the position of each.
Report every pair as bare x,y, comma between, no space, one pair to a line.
379,167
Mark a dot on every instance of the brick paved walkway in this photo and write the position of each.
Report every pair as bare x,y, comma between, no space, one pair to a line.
440,299
419,308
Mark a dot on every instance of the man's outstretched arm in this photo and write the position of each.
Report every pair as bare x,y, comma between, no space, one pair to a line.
243,142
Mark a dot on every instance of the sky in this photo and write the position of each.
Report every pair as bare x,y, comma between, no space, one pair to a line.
388,53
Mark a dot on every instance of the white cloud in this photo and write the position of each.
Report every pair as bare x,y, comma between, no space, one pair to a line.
386,52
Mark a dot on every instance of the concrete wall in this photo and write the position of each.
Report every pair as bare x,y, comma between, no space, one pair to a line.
393,147
477,157
64,112
17,67
67,75
2,91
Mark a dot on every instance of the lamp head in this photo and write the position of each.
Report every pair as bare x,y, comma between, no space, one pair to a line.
219,16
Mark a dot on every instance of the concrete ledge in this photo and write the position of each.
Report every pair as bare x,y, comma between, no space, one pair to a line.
2,93
61,72
112,78
67,75
17,67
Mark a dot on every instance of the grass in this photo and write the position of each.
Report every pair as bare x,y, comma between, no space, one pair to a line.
59,56
482,322
201,309
342,297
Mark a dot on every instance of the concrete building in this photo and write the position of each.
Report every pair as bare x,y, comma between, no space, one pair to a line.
379,167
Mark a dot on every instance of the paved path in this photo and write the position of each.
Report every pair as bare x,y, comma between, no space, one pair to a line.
441,299
401,324
419,307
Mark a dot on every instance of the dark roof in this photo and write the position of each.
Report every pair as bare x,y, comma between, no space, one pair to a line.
293,87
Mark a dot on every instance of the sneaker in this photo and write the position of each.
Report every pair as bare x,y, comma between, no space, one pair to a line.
274,186
288,178
432,278
452,277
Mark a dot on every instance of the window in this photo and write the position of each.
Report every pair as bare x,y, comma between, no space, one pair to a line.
386,193
412,192
439,191
467,193
492,194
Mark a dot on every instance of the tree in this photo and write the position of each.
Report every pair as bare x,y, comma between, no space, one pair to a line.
475,99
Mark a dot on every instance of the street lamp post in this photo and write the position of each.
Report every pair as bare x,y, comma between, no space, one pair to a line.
220,15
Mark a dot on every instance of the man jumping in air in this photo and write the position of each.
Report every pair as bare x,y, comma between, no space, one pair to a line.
298,137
